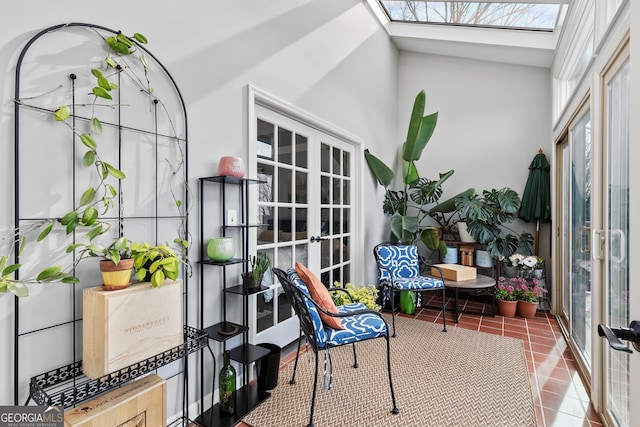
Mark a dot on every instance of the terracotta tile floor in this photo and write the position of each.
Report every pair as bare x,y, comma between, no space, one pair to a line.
559,395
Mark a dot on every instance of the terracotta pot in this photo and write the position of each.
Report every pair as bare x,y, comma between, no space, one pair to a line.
116,276
527,309
507,308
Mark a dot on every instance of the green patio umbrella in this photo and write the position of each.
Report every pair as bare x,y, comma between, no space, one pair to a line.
536,199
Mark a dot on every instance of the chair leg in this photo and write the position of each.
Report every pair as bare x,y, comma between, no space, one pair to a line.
395,409
444,310
315,389
355,358
393,311
295,365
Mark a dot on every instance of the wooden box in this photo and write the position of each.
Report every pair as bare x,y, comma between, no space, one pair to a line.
457,272
141,403
123,327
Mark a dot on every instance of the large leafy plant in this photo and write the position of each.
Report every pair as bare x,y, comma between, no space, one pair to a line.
486,217
407,206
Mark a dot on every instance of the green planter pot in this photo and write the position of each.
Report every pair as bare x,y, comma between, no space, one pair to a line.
408,302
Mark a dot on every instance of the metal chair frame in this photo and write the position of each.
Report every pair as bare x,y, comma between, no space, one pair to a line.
392,287
299,302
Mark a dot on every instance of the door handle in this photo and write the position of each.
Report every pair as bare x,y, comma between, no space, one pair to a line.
584,231
614,335
317,239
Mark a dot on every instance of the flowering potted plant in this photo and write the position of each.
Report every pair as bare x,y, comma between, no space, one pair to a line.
506,297
519,265
527,295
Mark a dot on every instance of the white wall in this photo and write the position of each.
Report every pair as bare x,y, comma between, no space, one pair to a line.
492,119
328,57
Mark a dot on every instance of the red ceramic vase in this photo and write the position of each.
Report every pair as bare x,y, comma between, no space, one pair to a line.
527,309
507,308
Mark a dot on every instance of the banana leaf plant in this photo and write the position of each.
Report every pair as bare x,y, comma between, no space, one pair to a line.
407,206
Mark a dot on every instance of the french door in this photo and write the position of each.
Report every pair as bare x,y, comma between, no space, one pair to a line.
305,212
575,156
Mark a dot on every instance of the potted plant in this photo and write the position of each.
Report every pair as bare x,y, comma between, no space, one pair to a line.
486,217
527,295
152,263
155,263
506,297
365,294
259,265
407,206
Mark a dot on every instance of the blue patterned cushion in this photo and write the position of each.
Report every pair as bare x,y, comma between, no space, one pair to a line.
357,328
313,312
418,283
397,260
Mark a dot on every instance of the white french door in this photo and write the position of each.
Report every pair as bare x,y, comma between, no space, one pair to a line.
305,212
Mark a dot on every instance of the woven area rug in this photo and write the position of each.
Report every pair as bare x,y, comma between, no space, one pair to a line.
454,378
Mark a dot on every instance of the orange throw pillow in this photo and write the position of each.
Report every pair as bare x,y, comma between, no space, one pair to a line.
320,295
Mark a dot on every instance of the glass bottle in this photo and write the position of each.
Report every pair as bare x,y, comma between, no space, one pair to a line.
227,382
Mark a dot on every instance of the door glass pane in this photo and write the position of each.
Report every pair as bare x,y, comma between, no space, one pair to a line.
264,145
325,158
284,185
285,142
265,190
324,190
336,190
618,232
301,187
346,159
337,161
301,151
284,224
581,231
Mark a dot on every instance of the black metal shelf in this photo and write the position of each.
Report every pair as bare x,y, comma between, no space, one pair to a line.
67,386
248,353
217,332
232,180
247,398
223,263
241,290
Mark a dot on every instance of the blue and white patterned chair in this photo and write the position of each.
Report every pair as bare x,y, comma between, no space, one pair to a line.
399,270
360,324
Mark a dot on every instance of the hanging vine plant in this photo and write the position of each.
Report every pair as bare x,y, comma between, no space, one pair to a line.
99,199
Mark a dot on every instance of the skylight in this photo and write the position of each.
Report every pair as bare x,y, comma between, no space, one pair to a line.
511,15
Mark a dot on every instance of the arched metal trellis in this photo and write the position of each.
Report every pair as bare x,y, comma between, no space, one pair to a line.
143,125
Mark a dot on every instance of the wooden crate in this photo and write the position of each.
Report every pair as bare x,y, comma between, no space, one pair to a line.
123,327
457,272
138,403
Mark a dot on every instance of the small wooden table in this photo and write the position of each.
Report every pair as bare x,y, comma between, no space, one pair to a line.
481,285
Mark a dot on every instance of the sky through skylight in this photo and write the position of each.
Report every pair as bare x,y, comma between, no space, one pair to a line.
528,16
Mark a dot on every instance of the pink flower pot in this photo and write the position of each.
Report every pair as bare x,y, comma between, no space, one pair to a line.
527,309
231,166
507,308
